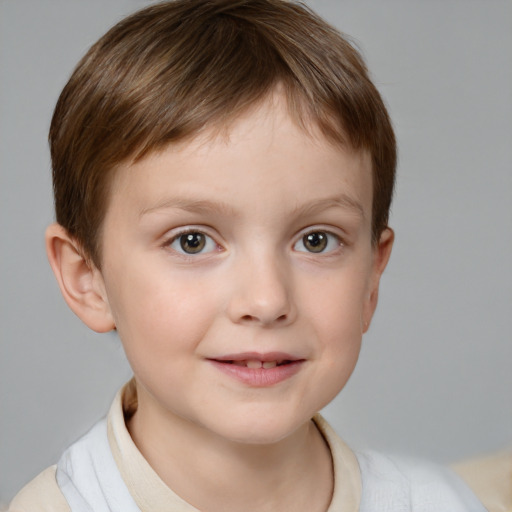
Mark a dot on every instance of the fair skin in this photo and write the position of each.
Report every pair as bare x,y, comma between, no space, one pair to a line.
240,275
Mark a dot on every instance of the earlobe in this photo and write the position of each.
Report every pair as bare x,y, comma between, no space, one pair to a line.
80,282
380,261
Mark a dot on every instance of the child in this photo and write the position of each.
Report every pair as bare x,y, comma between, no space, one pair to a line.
223,173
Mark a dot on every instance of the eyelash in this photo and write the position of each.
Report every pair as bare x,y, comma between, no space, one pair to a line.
329,239
326,237
179,238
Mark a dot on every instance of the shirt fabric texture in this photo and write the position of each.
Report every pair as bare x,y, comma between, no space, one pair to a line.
105,472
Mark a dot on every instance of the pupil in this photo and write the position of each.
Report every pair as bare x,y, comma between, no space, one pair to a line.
315,242
192,242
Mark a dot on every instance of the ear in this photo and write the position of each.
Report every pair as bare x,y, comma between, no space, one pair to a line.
380,259
80,282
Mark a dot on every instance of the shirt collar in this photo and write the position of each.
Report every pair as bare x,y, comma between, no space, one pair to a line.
152,494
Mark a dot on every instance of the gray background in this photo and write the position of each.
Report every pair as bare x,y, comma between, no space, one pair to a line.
434,377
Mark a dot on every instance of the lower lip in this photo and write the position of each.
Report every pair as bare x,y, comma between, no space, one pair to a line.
259,377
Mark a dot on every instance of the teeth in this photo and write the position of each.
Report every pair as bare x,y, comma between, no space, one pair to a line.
253,364
256,364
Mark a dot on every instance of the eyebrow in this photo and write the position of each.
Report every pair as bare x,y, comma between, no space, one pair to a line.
339,201
199,206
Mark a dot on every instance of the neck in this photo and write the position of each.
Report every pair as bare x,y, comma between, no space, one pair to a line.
215,474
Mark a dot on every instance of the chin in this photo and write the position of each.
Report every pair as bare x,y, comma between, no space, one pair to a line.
263,429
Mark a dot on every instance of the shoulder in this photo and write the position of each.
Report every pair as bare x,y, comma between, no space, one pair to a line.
404,484
490,477
40,495
47,492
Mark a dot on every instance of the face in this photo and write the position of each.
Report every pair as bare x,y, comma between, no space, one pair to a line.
240,274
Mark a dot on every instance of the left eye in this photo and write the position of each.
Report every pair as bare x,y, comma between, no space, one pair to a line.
193,242
317,242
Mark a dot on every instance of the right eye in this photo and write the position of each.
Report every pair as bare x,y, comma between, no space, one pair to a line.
318,242
192,242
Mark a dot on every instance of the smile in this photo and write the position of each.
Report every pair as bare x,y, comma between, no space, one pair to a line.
255,363
259,370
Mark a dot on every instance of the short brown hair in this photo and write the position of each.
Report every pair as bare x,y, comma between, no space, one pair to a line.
172,69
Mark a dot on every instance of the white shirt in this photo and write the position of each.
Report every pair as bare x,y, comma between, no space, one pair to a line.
105,472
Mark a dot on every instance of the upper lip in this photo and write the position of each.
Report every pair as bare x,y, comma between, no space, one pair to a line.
257,356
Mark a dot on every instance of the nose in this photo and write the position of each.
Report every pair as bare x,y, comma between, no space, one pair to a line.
262,293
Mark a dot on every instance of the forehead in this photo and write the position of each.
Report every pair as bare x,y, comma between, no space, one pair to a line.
264,153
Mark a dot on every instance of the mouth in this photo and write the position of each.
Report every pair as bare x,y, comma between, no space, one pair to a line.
254,360
256,363
259,370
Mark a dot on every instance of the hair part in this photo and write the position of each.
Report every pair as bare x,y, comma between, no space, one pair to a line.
175,69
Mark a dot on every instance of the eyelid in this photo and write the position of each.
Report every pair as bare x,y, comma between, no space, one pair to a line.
319,229
175,234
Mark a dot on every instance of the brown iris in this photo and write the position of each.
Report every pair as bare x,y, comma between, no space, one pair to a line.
315,242
192,243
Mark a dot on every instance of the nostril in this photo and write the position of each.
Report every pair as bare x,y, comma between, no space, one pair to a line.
252,318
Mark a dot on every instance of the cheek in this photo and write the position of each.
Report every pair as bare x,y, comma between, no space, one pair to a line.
337,310
161,316
340,335
336,307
